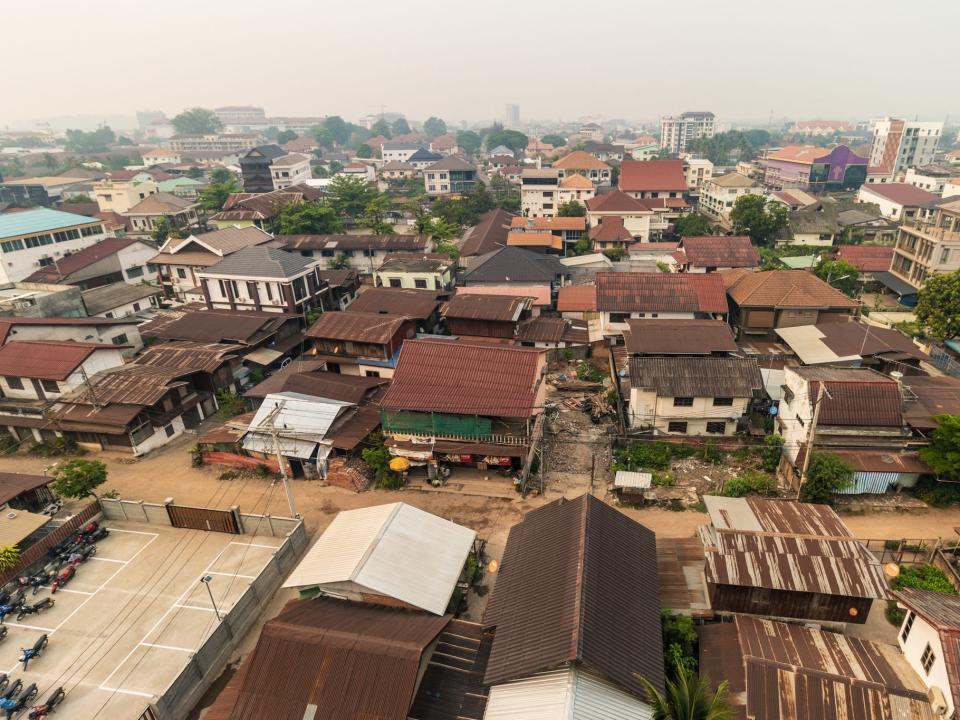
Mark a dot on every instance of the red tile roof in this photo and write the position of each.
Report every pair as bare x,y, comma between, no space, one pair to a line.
46,359
650,175
580,160
610,229
867,258
577,298
721,251
468,379
661,292
618,201
901,193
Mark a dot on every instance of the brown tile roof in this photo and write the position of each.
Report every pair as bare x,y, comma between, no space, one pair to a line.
678,337
552,330
610,229
685,376
357,327
489,234
345,659
188,355
495,308
855,396
549,223
388,243
618,201
525,238
576,181
578,584
415,304
652,175
190,322
66,266
901,193
577,298
160,204
308,377
783,289
661,292
462,378
721,251
580,160
46,359
867,258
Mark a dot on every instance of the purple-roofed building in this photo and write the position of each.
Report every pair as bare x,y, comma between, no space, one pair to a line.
813,168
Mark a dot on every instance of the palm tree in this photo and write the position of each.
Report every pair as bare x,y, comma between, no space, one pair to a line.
688,697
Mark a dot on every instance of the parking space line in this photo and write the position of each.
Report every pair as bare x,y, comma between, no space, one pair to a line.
268,547
103,559
128,692
30,627
168,647
133,532
195,607
74,592
245,577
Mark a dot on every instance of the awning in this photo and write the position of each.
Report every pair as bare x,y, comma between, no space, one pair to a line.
633,480
263,356
892,282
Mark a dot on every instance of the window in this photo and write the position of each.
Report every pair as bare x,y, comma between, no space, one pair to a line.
716,428
299,289
907,626
619,317
927,659
677,427
420,283
223,288
181,273
372,373
15,383
136,307
120,339
135,271
395,282
50,386
168,429
723,402
683,402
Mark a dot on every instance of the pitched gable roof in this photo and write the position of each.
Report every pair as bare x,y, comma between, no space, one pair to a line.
580,160
855,396
867,258
652,175
660,292
46,359
901,193
783,289
514,265
721,251
357,326
160,204
578,584
618,201
261,261
678,337
697,376
66,266
610,229
489,234
576,181
451,162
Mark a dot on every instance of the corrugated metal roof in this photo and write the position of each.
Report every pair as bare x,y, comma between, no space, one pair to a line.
457,377
394,550
296,416
360,327
539,293
39,220
129,385
678,337
721,251
627,479
855,396
107,297
47,359
661,292
686,376
578,583
13,484
415,304
188,355
495,308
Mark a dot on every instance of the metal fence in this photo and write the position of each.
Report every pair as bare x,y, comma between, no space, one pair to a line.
944,362
38,551
156,513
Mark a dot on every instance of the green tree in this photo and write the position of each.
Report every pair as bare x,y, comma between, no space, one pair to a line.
323,137
338,130
572,208
161,231
349,196
443,229
95,141
285,136
688,697
448,249
758,217
513,139
194,173
943,452
124,140
215,194
400,126
375,215
197,120
9,557
338,262
221,175
680,640
938,308
364,151
229,404
826,476
78,478
469,141
434,127
381,127
307,218
582,247
693,225
839,274
554,139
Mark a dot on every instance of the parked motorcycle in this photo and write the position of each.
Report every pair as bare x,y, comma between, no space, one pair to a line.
12,690
37,607
28,654
14,706
15,604
41,711
63,578
33,581
4,681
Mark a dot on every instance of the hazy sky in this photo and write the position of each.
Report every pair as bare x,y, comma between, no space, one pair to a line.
560,59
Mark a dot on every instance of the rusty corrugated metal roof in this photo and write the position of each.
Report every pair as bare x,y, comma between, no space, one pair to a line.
578,583
661,292
187,355
495,308
357,327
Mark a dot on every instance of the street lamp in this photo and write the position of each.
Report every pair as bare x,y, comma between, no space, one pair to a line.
206,581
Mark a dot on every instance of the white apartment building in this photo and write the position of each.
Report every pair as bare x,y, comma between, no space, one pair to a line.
291,169
539,191
718,195
931,179
214,142
160,156
398,151
120,195
899,144
697,171
33,239
677,131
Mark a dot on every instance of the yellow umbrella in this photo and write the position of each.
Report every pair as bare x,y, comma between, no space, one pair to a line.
399,464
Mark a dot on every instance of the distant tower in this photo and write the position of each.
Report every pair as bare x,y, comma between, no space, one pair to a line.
511,117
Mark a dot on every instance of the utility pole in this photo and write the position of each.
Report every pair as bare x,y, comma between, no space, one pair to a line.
813,433
269,425
93,395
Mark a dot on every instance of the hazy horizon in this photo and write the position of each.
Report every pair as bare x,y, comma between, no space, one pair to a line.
744,62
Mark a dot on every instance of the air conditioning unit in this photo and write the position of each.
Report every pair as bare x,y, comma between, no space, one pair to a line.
938,702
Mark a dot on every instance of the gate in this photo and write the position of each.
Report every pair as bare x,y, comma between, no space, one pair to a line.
203,519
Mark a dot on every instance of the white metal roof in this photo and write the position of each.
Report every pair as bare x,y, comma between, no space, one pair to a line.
299,416
807,342
731,513
394,550
289,447
627,479
570,694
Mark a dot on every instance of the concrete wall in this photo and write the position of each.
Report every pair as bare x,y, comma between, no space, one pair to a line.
920,635
59,300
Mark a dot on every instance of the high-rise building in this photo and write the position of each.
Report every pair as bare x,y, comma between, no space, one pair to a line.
677,131
511,117
899,144
240,114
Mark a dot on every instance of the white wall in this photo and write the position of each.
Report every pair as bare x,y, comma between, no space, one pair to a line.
888,208
15,265
794,416
133,258
647,409
82,333
612,328
920,635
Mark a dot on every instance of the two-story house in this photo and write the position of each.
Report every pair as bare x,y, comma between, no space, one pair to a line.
180,259
290,169
263,279
423,271
568,229
658,296
687,395
710,253
761,302
486,316
118,259
146,216
256,168
930,244
364,253
719,194
582,163
539,192
451,176
637,217
360,343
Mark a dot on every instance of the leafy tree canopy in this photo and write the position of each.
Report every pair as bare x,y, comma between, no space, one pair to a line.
197,120
350,196
285,136
469,141
381,127
94,141
693,225
323,137
943,453
215,195
364,151
307,218
434,127
758,217
938,308
839,274
572,208
338,262
513,139
375,215
78,478
826,476
723,147
337,129
554,139
400,126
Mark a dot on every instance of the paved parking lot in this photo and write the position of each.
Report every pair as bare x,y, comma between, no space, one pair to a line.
126,624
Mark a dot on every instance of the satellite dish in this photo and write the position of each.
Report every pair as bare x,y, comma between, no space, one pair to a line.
773,410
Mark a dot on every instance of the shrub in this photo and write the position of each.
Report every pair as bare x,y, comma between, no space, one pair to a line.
679,640
663,479
57,448
230,404
894,613
826,476
9,556
750,483
938,494
709,453
923,577
649,455
772,450
586,371
378,458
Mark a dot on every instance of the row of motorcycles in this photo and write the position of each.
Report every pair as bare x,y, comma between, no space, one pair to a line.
63,561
